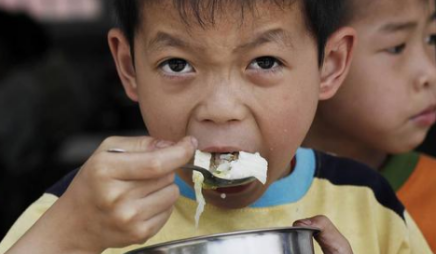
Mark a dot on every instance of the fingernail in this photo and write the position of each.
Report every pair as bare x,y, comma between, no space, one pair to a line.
194,142
164,143
306,222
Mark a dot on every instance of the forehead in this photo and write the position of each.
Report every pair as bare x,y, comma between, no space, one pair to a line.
205,11
370,10
221,18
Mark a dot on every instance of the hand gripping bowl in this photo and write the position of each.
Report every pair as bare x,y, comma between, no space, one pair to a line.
290,240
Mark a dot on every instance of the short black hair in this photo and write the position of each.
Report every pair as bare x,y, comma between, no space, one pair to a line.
323,17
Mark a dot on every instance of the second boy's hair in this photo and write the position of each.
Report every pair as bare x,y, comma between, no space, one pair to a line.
323,17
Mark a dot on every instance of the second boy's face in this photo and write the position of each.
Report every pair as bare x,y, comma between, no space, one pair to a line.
388,102
247,84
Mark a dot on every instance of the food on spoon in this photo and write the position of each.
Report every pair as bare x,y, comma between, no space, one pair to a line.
227,166
233,165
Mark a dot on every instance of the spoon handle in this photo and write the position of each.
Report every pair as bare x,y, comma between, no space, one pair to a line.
196,168
214,181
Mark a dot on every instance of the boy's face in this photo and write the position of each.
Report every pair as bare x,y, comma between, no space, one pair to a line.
388,101
248,84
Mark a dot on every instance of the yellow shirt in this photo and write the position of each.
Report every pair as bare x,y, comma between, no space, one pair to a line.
357,199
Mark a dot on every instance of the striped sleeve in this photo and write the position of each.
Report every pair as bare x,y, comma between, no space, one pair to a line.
348,172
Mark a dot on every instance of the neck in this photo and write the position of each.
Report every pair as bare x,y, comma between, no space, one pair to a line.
331,140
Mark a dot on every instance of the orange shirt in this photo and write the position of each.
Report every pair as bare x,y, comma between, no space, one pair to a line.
416,189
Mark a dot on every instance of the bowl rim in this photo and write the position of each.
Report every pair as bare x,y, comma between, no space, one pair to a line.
227,234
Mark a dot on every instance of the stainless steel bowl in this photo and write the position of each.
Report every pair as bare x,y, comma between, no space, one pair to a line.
290,240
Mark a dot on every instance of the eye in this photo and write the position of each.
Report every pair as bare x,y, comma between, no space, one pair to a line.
431,40
176,66
265,63
396,50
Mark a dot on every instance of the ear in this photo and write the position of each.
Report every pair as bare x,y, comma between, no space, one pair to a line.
120,49
338,54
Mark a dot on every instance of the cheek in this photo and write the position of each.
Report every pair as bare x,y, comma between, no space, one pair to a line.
367,105
376,98
156,120
165,115
289,118
288,127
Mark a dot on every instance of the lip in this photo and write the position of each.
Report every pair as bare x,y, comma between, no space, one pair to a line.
427,117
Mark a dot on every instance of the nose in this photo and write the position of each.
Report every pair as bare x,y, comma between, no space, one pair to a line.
223,104
426,73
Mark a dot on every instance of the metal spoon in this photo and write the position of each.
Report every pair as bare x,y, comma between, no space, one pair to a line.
210,180
213,181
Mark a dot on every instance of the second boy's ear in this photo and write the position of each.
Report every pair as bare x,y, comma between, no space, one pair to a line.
120,49
338,54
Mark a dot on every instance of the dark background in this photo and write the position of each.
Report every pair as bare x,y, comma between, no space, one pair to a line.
59,98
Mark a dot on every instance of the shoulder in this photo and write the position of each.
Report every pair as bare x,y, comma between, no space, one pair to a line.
427,161
59,188
423,173
346,172
425,168
420,183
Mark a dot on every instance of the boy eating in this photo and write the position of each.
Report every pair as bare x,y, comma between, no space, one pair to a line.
237,76
388,102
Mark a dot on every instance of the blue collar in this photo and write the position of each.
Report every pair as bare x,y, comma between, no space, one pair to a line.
286,190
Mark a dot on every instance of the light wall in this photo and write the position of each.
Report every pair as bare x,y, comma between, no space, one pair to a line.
57,10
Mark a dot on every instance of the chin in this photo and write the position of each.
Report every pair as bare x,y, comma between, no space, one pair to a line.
236,197
405,143
405,147
228,203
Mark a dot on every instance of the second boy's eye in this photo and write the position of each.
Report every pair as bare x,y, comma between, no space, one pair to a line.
176,66
431,40
265,63
397,49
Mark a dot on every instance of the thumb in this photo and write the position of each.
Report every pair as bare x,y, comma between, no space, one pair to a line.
329,238
134,144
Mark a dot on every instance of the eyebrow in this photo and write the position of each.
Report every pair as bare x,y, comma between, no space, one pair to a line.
163,39
404,26
274,35
396,27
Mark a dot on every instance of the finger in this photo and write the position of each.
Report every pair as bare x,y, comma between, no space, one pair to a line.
142,166
133,144
127,213
152,226
126,193
141,189
329,238
157,202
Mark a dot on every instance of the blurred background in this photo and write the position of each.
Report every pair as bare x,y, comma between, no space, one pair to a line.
60,96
